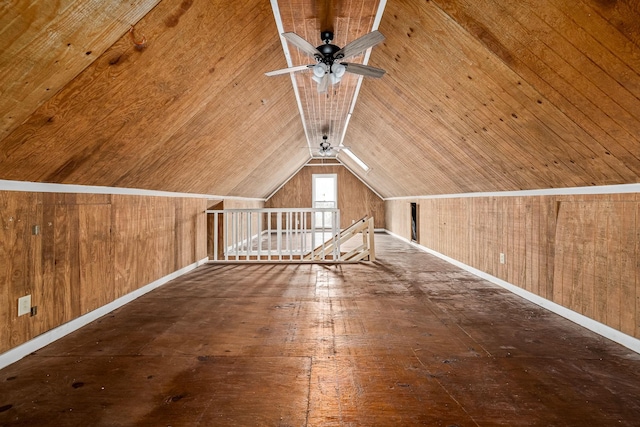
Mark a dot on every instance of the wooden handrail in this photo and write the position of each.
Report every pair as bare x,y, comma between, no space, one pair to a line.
363,226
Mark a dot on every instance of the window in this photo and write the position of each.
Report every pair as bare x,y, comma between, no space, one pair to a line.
325,195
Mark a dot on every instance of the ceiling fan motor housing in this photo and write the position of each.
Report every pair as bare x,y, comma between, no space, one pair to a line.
327,49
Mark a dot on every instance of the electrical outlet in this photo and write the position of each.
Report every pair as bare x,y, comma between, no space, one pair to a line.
501,258
24,305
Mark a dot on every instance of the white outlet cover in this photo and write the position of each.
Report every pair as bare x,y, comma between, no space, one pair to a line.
24,305
501,258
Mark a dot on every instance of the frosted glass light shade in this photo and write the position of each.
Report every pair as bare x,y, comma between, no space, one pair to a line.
319,70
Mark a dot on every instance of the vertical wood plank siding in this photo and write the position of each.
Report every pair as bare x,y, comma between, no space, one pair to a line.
90,250
354,198
580,251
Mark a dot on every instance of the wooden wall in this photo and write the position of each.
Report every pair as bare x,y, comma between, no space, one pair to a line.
90,250
354,198
582,251
241,204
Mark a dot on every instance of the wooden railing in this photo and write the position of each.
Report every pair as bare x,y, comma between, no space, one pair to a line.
287,235
271,234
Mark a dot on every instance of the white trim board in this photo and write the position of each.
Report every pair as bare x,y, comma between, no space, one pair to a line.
584,321
287,54
569,191
322,164
44,187
55,334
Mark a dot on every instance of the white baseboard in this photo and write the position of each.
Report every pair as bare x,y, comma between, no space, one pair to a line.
628,341
48,337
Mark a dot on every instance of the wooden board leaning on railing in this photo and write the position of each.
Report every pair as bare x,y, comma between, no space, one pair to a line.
364,227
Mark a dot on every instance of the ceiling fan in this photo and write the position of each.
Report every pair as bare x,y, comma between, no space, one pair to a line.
329,66
326,150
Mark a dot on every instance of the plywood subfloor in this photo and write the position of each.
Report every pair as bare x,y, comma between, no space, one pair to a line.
408,341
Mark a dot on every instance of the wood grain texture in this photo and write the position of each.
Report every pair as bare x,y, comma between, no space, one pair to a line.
503,96
355,200
398,218
96,257
190,231
190,102
484,95
44,45
66,274
637,265
578,251
412,342
14,256
90,250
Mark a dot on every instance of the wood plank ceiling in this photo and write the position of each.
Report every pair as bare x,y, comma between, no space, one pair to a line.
494,95
483,95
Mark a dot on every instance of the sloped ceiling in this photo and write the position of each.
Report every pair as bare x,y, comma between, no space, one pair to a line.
483,95
502,95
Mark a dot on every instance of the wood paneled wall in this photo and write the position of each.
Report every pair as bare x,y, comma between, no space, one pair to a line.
241,204
581,251
355,199
90,250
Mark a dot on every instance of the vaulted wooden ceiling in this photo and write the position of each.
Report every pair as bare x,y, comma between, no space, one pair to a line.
482,95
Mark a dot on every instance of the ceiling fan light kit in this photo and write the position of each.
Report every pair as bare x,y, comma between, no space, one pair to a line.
337,71
319,70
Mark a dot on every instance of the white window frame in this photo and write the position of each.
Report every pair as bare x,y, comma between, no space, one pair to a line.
316,176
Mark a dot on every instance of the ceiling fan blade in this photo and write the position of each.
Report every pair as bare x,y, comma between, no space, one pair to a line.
324,84
302,44
359,45
364,70
288,70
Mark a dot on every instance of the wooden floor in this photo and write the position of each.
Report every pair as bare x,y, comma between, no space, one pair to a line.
408,341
